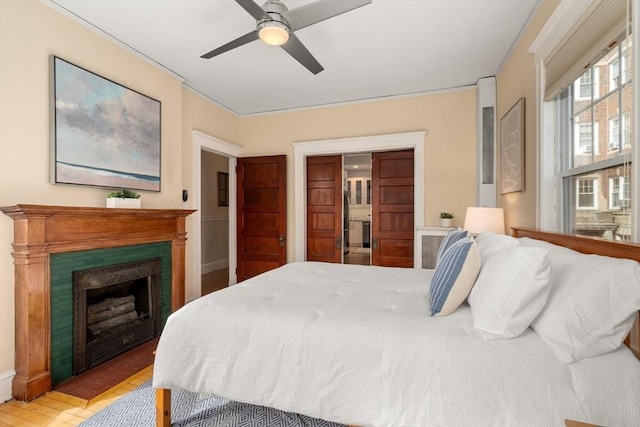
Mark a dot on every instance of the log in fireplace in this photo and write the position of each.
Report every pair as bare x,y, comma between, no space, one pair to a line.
116,308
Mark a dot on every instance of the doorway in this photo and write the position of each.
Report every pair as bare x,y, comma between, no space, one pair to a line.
207,143
214,208
376,143
357,208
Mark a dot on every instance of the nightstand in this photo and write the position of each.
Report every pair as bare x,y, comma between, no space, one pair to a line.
427,243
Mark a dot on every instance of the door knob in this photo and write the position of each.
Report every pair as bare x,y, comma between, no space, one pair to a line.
281,240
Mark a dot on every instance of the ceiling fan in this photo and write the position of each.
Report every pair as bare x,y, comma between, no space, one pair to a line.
275,25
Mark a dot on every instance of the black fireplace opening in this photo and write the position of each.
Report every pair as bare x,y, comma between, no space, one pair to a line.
116,308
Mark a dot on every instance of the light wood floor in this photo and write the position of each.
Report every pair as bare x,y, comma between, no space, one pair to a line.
356,258
59,409
62,410
214,281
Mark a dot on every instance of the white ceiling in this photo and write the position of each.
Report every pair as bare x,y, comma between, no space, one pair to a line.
384,49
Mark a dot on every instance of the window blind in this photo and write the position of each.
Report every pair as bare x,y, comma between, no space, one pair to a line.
601,25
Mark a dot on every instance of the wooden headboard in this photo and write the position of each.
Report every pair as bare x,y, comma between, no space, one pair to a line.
592,245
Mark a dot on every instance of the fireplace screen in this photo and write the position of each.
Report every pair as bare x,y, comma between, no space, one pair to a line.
116,308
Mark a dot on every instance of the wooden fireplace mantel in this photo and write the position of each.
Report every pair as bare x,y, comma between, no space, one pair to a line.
43,230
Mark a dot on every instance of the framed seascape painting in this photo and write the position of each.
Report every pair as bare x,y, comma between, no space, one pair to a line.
103,134
512,149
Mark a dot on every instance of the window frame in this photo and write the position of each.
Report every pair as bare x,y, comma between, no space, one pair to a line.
577,146
595,86
595,187
612,136
621,191
551,188
622,60
568,176
613,81
625,139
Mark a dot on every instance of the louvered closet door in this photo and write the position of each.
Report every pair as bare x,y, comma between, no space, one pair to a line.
392,228
324,209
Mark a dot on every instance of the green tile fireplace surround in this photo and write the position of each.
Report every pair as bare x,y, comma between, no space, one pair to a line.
62,267
48,240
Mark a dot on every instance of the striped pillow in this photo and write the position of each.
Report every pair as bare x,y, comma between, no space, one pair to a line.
454,277
451,237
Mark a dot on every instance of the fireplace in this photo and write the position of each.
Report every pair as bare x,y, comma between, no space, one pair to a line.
42,233
115,309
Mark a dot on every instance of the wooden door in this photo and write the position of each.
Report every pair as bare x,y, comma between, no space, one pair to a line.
324,209
262,220
392,227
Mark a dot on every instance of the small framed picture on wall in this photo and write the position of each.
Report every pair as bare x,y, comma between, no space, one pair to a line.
223,189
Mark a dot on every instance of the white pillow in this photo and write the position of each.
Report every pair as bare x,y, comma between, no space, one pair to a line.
490,243
593,302
454,277
512,288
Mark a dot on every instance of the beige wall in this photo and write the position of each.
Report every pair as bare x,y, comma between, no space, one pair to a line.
517,80
449,118
29,33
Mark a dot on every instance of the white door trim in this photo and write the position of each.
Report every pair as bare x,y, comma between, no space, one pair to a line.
204,142
397,141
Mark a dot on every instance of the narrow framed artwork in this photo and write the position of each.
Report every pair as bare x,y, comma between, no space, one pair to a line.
512,149
223,189
102,133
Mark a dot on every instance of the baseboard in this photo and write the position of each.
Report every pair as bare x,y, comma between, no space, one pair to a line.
5,385
215,265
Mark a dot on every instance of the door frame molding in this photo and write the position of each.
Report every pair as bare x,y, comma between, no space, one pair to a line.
205,142
388,142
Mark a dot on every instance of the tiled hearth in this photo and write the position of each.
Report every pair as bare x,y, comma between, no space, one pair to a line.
109,374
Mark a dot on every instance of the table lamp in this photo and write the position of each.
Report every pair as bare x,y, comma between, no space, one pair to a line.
480,220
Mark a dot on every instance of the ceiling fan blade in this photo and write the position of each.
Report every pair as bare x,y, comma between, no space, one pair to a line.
242,40
318,11
254,10
295,48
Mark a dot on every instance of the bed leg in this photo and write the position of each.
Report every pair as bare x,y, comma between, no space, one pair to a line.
163,407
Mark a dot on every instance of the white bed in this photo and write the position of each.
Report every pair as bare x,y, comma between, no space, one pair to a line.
357,345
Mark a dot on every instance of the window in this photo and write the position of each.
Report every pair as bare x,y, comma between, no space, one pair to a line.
618,76
587,85
617,136
626,131
619,192
586,193
614,73
586,135
614,133
594,142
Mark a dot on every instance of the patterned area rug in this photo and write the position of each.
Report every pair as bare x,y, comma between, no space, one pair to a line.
195,410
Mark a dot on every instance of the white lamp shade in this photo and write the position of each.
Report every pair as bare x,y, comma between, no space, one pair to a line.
482,220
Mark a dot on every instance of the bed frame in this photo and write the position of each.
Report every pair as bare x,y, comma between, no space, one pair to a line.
584,244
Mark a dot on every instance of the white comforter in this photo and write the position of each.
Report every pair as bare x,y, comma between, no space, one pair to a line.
356,345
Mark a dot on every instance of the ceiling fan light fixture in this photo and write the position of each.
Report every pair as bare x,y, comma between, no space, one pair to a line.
273,33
